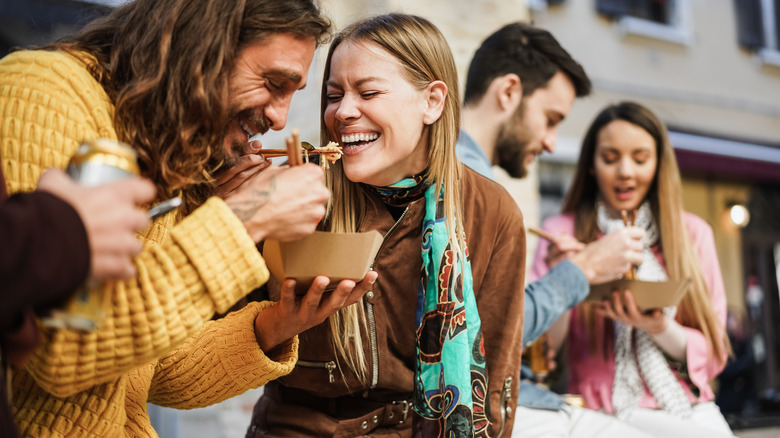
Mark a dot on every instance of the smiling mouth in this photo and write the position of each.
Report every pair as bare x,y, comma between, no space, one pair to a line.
354,141
624,193
247,129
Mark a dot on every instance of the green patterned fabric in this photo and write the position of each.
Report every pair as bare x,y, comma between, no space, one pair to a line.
450,377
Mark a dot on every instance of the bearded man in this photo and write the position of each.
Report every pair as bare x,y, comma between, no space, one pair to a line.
186,83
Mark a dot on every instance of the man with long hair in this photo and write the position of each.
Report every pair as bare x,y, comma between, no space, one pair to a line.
186,83
521,84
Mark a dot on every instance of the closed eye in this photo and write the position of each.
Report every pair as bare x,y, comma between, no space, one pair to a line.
274,85
333,97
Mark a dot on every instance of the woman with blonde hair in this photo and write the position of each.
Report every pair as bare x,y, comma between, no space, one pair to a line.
651,368
440,332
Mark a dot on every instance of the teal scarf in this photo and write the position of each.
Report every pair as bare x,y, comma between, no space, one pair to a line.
451,389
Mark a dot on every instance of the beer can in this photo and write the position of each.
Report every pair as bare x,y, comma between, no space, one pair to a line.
102,161
95,162
537,355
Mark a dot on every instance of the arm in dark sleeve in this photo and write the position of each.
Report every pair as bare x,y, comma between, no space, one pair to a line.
546,299
44,254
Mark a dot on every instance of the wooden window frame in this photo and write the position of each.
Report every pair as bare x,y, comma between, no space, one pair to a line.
679,30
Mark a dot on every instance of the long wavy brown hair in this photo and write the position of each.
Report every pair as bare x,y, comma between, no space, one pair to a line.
165,65
665,196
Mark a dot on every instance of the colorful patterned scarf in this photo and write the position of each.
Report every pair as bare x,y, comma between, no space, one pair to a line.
451,386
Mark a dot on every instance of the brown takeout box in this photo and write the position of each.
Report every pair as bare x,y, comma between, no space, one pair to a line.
647,294
338,256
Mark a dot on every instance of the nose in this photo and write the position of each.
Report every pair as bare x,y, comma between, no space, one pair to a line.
276,112
549,141
626,168
347,109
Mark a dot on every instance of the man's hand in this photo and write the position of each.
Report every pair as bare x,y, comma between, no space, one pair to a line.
611,256
111,216
280,203
561,247
247,166
294,314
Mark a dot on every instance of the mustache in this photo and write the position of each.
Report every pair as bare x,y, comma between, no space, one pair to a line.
257,120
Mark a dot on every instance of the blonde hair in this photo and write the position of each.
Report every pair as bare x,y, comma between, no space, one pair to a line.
695,310
425,56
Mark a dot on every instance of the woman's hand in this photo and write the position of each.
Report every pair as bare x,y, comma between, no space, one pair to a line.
622,307
294,314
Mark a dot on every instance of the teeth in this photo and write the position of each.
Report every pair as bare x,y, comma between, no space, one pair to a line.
246,128
353,138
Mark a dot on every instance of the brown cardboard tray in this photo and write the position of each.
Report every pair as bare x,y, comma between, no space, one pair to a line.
338,256
648,294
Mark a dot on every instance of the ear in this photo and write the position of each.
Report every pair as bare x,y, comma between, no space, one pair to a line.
434,105
509,92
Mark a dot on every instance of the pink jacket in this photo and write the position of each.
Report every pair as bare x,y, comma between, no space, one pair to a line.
590,374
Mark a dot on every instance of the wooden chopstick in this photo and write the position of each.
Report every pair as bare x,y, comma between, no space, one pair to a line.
631,274
283,152
541,233
296,138
293,154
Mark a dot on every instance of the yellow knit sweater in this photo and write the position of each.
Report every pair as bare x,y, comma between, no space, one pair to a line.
98,383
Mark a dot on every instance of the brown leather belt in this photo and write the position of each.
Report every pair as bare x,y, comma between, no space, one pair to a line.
386,412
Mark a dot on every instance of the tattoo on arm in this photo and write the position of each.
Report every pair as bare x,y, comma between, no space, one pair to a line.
247,208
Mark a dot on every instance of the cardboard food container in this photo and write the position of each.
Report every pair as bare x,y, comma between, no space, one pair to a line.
338,256
647,294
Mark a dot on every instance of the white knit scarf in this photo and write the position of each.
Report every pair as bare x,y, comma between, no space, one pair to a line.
645,357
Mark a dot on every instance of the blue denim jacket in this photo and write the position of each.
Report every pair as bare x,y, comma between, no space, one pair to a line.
546,299
469,152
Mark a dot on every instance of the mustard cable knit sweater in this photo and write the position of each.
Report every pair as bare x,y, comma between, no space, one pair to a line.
98,383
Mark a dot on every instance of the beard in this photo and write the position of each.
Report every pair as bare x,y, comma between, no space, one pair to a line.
225,158
512,147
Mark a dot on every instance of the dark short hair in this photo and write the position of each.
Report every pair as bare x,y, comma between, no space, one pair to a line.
531,53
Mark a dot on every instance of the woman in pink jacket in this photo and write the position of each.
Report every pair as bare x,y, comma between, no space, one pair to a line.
649,368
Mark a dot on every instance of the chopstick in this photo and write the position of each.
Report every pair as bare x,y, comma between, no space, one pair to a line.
293,149
282,152
541,233
631,274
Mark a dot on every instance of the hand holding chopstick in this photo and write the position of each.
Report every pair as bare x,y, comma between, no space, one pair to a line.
631,274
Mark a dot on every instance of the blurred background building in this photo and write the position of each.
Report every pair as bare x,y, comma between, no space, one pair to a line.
709,68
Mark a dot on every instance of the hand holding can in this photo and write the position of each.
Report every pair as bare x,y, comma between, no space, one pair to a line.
106,198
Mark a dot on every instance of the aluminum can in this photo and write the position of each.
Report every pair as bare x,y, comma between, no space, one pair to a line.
102,161
95,162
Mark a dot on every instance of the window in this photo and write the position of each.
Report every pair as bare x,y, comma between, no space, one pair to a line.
758,25
666,20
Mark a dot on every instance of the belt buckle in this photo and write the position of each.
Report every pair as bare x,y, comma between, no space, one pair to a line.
404,409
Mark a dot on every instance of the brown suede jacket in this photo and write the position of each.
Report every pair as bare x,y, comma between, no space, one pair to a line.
321,397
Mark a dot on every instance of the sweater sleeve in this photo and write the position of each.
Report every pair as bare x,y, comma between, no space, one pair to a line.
206,264
702,365
45,253
222,361
49,103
